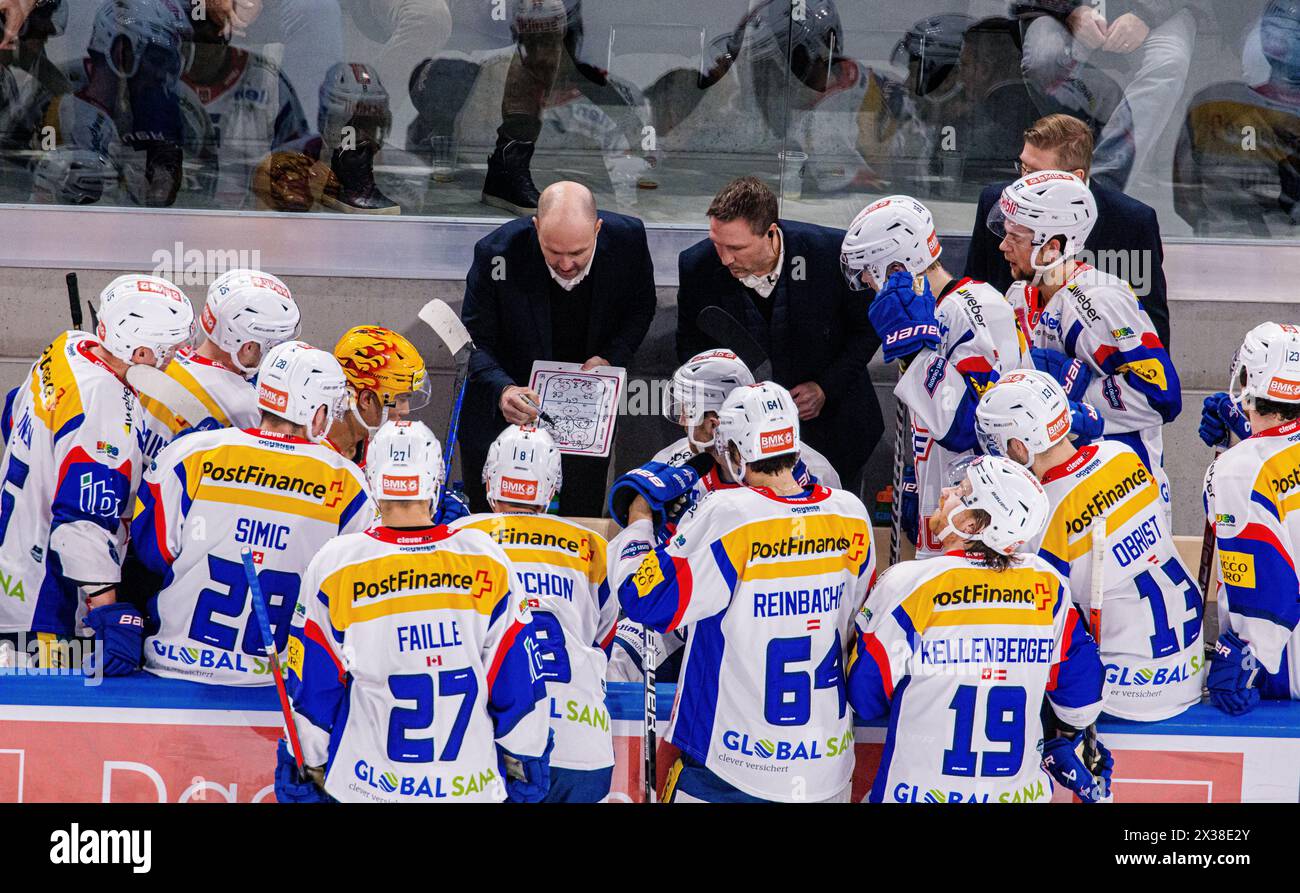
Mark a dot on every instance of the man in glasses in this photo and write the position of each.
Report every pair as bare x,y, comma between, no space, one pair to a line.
1125,239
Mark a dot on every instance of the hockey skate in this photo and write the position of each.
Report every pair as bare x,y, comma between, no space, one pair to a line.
509,184
351,187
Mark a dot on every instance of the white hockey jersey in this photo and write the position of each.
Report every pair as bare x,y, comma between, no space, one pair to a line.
768,585
562,570
412,658
959,656
1151,607
980,342
208,496
229,398
1097,319
1251,492
70,473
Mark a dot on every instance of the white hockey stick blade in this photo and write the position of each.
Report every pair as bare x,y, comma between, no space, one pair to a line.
159,386
446,325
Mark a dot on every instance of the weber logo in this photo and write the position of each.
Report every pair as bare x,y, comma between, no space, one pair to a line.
1057,428
776,441
399,485
1283,389
516,488
1009,207
207,320
272,398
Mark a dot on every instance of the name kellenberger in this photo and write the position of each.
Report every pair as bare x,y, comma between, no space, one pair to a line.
90,847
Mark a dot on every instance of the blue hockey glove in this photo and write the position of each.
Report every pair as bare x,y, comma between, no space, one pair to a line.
289,787
1233,670
208,424
1062,761
660,484
1220,416
120,628
1085,423
1072,375
528,779
451,505
802,476
904,320
910,507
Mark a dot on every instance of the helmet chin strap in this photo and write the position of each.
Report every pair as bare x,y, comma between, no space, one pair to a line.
951,528
1039,271
371,430
737,474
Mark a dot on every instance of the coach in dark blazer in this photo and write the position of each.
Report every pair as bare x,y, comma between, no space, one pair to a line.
573,284
1060,142
782,280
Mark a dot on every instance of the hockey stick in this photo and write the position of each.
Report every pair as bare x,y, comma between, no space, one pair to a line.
74,300
1208,541
728,331
158,385
268,645
1096,595
455,337
649,743
896,504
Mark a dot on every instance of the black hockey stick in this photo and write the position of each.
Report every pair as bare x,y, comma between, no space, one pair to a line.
74,300
729,333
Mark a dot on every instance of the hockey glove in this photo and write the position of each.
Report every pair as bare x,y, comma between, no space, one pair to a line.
528,779
1062,761
802,476
451,505
1085,423
120,629
904,320
208,424
663,486
910,507
1072,375
1233,670
289,787
1220,417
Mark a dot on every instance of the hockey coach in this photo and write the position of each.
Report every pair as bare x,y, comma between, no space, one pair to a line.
572,284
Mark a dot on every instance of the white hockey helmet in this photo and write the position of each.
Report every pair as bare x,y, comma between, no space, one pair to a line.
164,24
1015,501
897,229
73,176
137,310
1267,366
701,385
352,94
761,420
404,461
295,379
1044,205
1025,405
523,465
249,305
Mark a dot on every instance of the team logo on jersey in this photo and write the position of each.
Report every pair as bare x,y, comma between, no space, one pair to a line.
633,550
518,488
934,374
781,441
271,398
399,485
1150,371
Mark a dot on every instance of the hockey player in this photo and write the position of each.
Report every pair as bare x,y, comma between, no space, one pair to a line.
413,660
953,337
1087,328
247,313
561,567
1146,616
696,393
1249,495
386,382
959,651
768,577
71,469
272,489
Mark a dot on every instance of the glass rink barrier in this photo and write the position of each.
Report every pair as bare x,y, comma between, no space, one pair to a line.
145,739
464,108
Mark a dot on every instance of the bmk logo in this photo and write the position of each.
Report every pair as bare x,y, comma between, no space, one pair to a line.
272,398
776,441
518,488
399,485
1059,426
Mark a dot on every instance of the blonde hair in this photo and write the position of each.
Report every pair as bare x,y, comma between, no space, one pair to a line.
1068,137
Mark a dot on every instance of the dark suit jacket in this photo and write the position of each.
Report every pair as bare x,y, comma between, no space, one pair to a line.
1123,224
819,332
510,318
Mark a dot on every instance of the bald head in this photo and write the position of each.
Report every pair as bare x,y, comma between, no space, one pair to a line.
567,225
566,199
